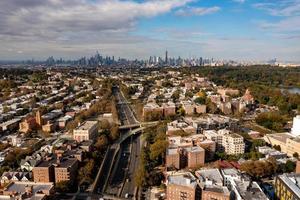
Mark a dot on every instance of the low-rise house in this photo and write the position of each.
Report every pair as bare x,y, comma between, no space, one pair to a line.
16,140
27,190
28,165
10,125
7,177
271,153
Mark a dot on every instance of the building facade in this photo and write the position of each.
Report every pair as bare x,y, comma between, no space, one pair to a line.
87,131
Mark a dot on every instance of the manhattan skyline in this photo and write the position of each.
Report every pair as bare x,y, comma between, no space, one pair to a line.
229,29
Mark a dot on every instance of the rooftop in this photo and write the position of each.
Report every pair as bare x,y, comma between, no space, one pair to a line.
230,172
20,186
282,137
87,125
184,179
213,175
293,181
249,190
194,149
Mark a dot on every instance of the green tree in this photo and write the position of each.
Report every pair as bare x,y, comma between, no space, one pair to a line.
62,187
296,155
158,149
102,142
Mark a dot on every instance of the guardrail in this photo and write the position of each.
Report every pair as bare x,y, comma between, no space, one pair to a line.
99,172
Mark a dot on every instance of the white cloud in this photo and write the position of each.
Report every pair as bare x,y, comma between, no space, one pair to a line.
50,18
199,11
286,8
290,24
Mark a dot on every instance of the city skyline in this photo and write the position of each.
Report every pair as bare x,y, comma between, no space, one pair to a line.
229,29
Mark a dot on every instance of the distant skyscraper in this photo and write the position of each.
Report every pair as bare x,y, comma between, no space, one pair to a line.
166,60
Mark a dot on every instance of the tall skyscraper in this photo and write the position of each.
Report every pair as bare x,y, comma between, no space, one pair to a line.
166,59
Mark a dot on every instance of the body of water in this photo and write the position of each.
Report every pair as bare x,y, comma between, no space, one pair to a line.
293,90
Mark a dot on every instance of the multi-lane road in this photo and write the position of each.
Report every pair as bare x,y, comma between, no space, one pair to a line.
116,176
126,115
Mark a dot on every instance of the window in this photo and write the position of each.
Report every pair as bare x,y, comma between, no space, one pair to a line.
183,195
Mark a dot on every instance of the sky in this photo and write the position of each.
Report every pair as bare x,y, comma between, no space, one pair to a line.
221,29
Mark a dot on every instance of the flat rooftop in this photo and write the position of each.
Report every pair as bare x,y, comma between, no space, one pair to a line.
248,191
292,181
87,125
230,171
19,187
185,179
282,137
210,174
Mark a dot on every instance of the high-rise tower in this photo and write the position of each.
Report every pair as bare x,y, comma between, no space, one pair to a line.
166,59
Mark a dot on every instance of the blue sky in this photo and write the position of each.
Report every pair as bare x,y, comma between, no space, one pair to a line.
223,29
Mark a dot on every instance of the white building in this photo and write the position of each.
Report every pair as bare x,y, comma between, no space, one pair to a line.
233,144
296,126
86,131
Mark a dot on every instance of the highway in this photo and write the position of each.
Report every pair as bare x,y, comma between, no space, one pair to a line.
129,186
116,176
126,115
119,170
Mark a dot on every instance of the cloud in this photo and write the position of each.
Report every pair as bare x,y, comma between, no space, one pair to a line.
290,24
53,18
198,11
288,11
286,8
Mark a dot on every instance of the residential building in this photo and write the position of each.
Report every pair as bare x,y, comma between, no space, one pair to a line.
228,91
27,190
27,125
28,165
66,169
49,127
169,109
229,175
10,176
173,158
242,186
87,131
287,186
233,144
182,186
180,126
298,167
211,184
190,157
245,189
295,131
287,142
195,156
16,140
43,172
152,111
217,137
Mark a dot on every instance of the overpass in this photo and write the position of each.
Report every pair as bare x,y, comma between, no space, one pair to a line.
109,159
